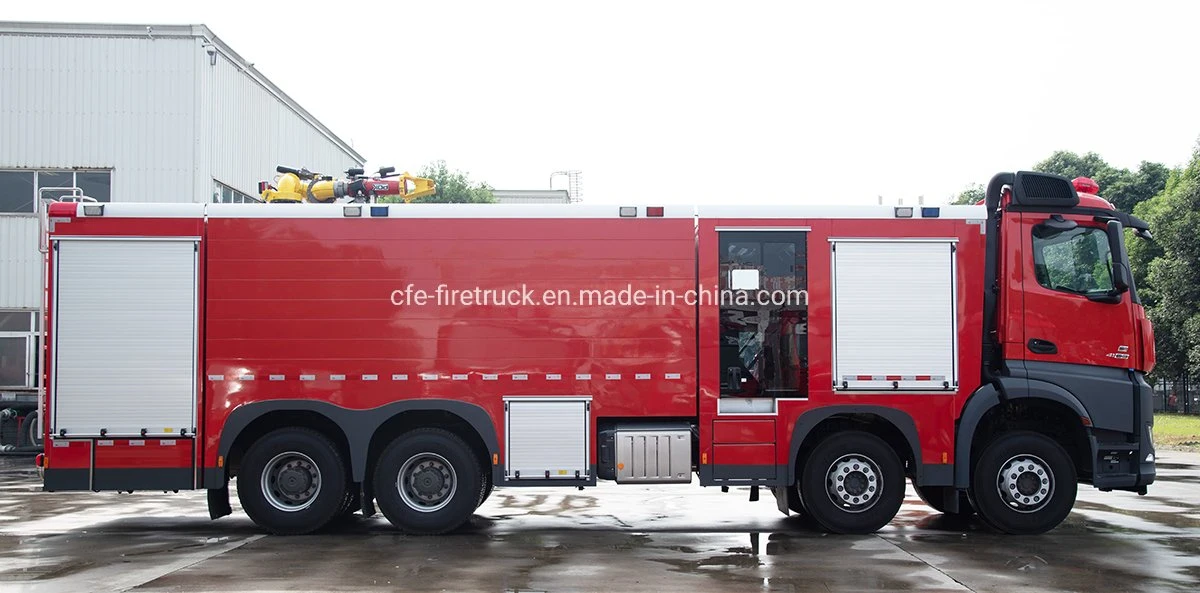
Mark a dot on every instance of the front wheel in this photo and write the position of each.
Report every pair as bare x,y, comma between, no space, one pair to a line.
1024,483
853,482
428,481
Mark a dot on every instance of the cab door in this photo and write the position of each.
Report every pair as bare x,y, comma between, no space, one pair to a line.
1072,313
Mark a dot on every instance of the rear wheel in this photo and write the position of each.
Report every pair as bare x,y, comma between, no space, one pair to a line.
485,490
351,503
853,482
1024,483
935,496
428,481
33,436
292,481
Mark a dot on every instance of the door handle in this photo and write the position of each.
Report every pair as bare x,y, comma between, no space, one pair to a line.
1042,346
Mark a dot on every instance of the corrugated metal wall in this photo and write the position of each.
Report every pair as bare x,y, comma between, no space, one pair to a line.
120,102
152,109
251,131
20,263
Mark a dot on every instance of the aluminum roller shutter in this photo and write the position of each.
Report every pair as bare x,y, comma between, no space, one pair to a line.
124,337
894,315
547,437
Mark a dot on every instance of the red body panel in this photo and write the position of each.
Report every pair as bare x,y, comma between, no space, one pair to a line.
314,297
68,454
143,453
761,454
933,413
744,431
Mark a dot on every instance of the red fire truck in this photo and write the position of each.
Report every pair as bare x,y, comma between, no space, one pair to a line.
409,357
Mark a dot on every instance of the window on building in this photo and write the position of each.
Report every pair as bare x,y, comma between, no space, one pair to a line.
19,188
223,194
17,349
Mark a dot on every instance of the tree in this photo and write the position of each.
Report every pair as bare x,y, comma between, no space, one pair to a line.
1124,188
454,186
969,196
1174,276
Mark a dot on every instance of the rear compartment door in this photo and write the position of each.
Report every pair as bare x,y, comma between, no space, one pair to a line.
124,337
894,318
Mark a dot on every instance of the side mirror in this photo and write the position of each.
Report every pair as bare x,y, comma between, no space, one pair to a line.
1120,271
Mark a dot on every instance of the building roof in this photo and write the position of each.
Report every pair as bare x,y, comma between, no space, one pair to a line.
168,31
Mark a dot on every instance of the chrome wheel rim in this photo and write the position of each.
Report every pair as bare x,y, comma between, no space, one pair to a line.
291,481
427,482
853,483
1025,483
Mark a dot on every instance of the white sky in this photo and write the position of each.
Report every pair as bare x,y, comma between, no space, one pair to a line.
809,102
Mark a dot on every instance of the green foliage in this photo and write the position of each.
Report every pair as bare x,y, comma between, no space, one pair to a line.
1173,279
1124,188
454,186
971,195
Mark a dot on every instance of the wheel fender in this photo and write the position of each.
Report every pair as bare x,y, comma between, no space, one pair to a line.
810,419
985,398
358,425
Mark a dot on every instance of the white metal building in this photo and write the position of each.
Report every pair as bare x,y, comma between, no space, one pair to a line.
531,196
131,113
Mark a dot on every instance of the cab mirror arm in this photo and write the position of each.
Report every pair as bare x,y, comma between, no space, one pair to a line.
1120,272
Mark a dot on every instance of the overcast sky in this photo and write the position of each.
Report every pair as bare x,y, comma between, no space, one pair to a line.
821,102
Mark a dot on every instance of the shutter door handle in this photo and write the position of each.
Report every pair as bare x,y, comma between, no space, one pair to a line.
1042,346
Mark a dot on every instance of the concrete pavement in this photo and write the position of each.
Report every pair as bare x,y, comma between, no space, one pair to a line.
609,538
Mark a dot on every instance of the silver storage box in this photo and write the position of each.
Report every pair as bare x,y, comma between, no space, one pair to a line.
654,456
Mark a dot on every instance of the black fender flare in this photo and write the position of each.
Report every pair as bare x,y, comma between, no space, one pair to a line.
359,426
984,399
810,419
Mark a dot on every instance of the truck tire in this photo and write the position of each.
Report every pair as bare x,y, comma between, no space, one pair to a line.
852,482
1024,483
427,482
32,435
935,497
351,503
292,481
485,478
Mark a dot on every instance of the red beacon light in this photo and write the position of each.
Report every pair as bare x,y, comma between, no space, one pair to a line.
1085,185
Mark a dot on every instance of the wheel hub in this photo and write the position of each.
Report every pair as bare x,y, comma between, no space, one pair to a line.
427,482
1025,483
291,481
852,483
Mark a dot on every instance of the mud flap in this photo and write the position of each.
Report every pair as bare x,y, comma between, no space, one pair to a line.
781,501
367,502
218,502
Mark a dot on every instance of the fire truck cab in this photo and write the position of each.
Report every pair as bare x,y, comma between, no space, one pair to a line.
331,358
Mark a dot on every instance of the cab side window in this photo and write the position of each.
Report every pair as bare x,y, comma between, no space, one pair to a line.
1075,261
